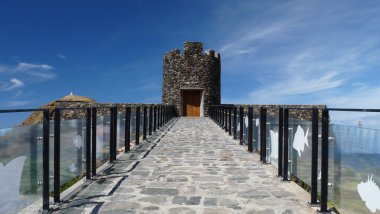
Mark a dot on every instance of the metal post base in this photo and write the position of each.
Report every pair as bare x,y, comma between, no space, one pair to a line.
326,212
313,204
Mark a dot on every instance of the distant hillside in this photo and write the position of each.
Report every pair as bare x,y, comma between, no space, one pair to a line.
36,117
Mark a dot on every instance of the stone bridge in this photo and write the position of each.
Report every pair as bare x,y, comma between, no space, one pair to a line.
190,166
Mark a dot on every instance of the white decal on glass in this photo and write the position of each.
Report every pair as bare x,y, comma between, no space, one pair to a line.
246,121
10,183
274,144
257,122
300,140
78,142
73,168
370,194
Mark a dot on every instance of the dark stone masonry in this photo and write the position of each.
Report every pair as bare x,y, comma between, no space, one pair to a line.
192,70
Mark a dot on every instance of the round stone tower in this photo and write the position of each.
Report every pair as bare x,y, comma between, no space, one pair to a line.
191,81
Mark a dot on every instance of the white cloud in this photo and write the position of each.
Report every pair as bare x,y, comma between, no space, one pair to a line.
41,72
15,84
61,56
11,85
28,66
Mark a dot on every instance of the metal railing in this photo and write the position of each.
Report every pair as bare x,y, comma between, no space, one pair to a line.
158,116
318,117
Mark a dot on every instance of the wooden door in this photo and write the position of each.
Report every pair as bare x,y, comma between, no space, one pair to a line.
191,103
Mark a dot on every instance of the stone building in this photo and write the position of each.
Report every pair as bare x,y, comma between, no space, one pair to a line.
191,80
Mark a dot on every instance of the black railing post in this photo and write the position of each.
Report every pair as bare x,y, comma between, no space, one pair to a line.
155,118
325,160
115,133
137,141
33,157
112,134
314,158
250,130
45,160
162,116
235,122
88,143
280,139
225,119
158,116
57,155
286,146
145,122
127,134
263,134
229,120
150,119
166,114
93,139
241,131
221,116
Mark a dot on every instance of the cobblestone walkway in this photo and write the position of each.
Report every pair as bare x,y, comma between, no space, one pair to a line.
195,168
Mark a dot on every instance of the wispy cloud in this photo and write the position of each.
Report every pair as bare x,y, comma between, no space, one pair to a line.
41,72
12,84
61,56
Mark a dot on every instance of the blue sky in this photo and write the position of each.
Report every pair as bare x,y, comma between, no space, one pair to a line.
273,52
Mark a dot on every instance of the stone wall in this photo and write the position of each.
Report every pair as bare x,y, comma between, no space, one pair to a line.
295,111
192,69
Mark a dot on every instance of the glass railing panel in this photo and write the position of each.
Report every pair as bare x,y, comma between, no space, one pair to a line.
102,139
141,123
120,132
354,149
21,167
73,150
272,140
300,147
133,127
256,131
245,126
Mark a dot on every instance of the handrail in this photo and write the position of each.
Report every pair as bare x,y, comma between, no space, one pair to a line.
219,114
159,115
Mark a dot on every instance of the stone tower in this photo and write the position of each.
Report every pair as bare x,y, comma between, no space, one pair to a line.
191,81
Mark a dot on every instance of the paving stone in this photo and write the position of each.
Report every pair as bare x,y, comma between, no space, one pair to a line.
266,211
159,191
125,205
288,211
194,200
254,194
215,211
179,200
177,179
210,201
154,199
282,194
181,210
208,178
230,204
151,208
